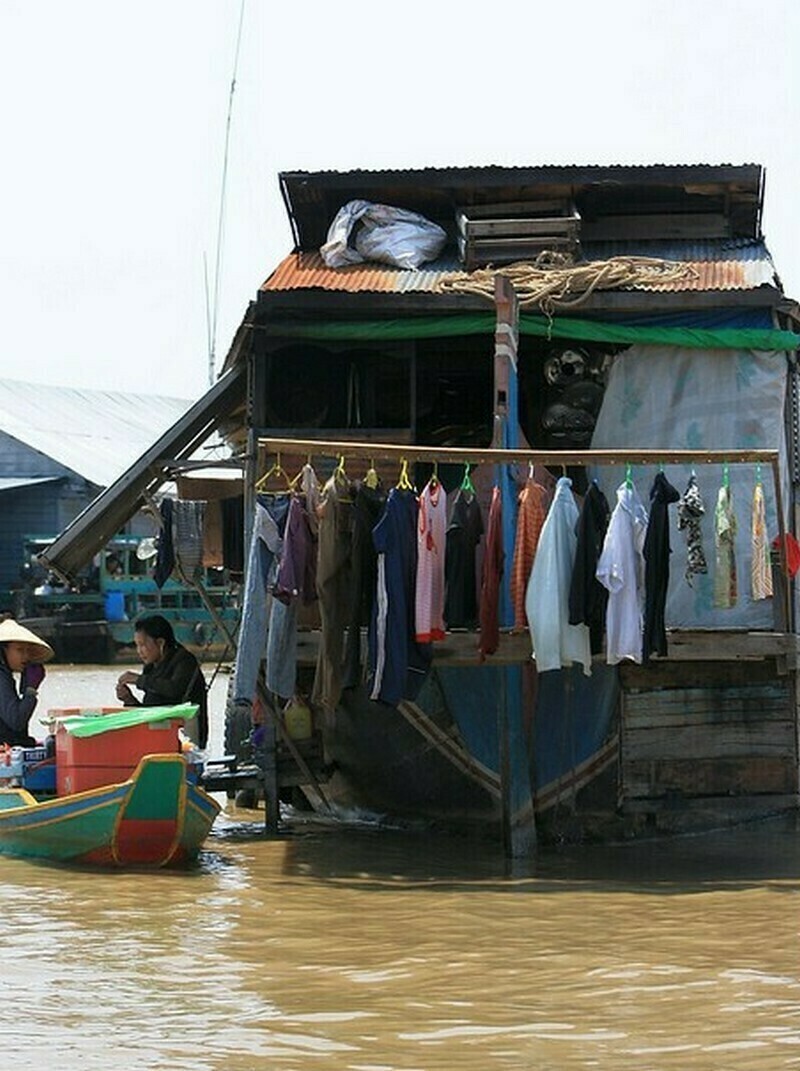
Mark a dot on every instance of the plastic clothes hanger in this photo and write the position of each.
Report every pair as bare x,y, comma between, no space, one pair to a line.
275,469
628,476
341,482
403,482
297,480
339,475
466,483
371,479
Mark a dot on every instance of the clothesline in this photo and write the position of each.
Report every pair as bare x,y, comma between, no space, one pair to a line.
492,456
399,452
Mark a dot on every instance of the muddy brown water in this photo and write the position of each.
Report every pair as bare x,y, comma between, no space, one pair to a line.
347,948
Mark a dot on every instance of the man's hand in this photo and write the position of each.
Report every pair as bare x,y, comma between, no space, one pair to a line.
126,696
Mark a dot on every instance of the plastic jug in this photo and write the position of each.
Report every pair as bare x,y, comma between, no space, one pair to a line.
298,719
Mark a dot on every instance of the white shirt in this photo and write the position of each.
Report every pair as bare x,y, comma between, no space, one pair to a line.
556,643
621,570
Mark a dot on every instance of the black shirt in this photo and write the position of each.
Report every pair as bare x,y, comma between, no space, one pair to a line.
177,678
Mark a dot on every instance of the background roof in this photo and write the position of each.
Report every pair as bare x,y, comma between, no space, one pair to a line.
95,433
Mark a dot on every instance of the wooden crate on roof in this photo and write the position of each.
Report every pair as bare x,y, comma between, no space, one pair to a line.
504,233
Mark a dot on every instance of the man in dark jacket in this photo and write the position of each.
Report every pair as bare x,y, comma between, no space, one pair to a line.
170,673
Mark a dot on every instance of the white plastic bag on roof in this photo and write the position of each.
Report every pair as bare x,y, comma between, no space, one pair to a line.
390,235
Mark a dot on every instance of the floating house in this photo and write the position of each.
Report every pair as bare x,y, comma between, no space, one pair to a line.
607,325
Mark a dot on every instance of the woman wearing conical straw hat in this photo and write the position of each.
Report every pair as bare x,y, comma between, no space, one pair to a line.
22,652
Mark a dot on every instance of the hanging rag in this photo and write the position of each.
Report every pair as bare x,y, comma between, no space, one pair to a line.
165,559
398,664
656,553
368,505
463,536
791,550
555,642
188,519
725,581
269,522
691,510
310,489
334,587
621,570
491,575
760,566
429,589
588,598
530,518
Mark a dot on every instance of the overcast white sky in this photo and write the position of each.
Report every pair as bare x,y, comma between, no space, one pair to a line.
113,124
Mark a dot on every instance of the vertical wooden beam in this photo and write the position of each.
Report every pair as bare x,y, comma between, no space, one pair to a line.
518,824
506,343
270,767
252,471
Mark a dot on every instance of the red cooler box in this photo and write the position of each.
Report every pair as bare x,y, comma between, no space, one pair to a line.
93,761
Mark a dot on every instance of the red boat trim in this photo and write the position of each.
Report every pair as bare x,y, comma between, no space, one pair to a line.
119,836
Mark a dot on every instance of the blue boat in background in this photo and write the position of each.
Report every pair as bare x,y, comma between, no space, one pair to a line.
91,621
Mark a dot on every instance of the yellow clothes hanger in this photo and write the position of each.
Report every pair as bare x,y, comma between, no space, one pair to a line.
371,479
275,469
404,483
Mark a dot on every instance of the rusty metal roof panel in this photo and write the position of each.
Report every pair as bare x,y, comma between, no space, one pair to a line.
718,266
308,271
726,264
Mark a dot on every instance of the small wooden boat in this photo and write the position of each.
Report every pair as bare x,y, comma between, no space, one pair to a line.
155,818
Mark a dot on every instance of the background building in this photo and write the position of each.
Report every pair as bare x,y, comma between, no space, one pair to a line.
59,447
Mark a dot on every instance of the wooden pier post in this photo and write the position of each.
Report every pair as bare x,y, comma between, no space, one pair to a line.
519,826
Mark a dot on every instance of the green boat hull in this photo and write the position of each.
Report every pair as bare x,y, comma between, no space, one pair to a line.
157,818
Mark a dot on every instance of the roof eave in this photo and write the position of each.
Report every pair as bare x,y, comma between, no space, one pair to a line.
273,304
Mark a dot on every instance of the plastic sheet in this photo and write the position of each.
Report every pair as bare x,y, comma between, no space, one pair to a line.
363,231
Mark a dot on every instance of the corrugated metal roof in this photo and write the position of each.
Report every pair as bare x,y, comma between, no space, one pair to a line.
13,483
308,271
724,264
736,190
618,165
95,433
718,265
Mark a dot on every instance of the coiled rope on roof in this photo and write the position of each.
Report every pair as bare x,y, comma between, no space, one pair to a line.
553,281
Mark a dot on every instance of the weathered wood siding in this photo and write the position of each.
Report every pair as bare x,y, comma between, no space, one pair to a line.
708,730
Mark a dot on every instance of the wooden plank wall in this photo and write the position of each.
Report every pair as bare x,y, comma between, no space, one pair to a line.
705,730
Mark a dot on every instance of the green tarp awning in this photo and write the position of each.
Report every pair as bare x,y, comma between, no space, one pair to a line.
734,338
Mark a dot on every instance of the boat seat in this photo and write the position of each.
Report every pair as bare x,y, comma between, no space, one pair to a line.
15,797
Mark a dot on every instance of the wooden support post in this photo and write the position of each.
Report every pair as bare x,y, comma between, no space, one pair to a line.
504,765
505,428
519,830
270,767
